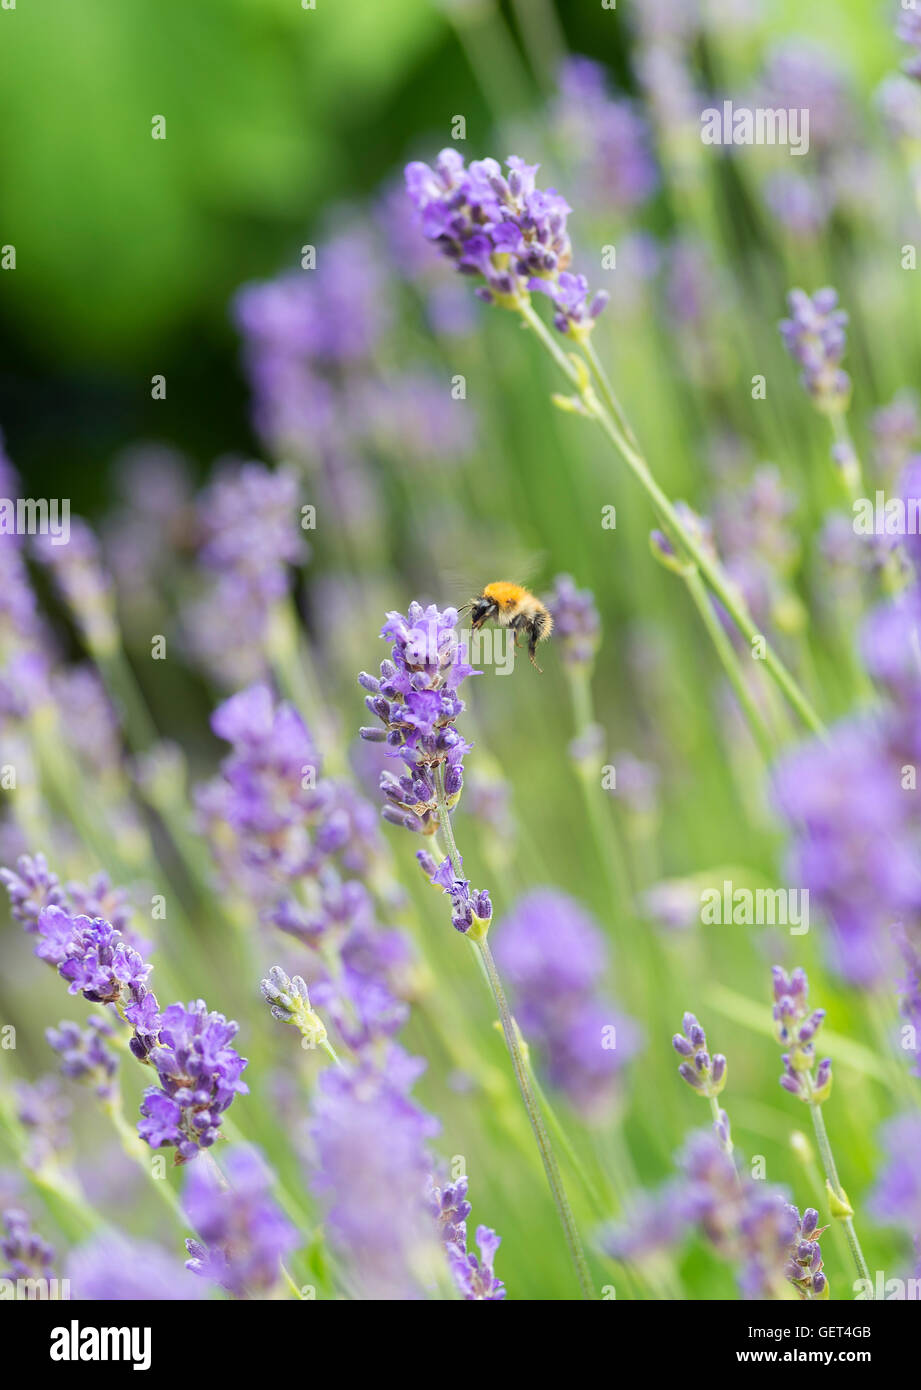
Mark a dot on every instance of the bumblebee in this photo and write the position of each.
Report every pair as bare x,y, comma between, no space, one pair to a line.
512,605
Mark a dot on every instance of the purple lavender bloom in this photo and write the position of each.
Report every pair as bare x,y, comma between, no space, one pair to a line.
78,571
271,772
300,329
249,522
471,909
151,524
801,205
413,417
896,429
899,104
450,1209
855,829
490,801
896,1197
908,29
753,533
88,718
44,1111
333,314
691,288
244,1234
673,904
576,622
475,1278
801,75
553,955
657,1222
636,784
702,1072
746,1222
909,987
199,1076
504,230
611,140
795,1027
372,1175
111,1268
85,1054
293,843
417,702
24,683
814,336
23,1253
287,822
101,898
92,956
31,887
362,1001
804,1267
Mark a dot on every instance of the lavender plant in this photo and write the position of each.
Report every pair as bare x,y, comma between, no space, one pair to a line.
343,1172
796,1026
514,237
416,700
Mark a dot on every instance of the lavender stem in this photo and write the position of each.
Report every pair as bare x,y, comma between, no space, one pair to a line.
519,1065
726,653
640,469
834,1182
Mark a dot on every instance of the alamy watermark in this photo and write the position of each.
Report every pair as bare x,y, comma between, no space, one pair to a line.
34,1288
887,516
762,907
36,516
756,125
495,647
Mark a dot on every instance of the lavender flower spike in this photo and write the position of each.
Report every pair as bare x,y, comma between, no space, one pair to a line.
909,30
814,337
199,1075
703,1073
804,1267
795,1026
23,1253
506,231
576,621
244,1235
85,1055
289,1002
471,909
475,1277
417,702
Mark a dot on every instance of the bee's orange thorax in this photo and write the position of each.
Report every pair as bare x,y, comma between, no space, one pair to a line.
504,592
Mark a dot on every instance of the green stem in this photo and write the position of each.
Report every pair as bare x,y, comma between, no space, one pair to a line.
120,681
542,1138
608,844
135,1148
578,1167
543,38
727,655
708,566
513,1042
851,474
834,1182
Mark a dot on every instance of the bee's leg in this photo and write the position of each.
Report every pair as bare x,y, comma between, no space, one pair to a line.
532,647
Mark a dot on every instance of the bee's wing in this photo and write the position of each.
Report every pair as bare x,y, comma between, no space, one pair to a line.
487,558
